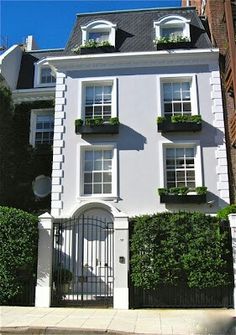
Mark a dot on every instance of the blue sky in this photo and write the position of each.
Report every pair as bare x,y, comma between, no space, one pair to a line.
51,22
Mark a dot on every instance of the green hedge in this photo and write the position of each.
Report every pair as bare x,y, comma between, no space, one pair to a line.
179,248
18,251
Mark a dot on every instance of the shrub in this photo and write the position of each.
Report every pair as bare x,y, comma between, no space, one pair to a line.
224,212
178,248
62,276
18,254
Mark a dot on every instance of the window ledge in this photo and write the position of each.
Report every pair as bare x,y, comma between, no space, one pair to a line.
183,199
102,129
168,126
98,197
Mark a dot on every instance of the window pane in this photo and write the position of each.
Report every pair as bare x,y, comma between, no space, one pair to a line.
179,152
97,155
88,155
107,188
98,94
98,165
97,188
177,108
106,177
98,36
168,108
88,177
88,166
170,152
187,107
189,152
87,188
97,177
170,176
89,95
107,165
167,92
107,154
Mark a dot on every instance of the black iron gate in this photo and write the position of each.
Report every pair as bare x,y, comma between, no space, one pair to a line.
83,262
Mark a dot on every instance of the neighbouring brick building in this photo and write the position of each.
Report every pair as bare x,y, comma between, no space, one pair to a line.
221,18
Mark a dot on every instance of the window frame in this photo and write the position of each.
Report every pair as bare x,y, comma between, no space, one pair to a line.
80,184
83,83
33,120
172,20
192,78
37,76
181,144
99,26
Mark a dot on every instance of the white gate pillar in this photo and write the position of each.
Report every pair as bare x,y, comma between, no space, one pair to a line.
232,222
121,263
44,270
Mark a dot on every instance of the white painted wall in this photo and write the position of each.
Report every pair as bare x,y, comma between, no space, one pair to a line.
138,142
10,62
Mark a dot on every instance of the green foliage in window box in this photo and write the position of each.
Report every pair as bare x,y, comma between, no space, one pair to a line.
79,122
170,39
180,119
98,121
224,212
160,119
114,121
18,255
200,190
90,44
186,118
179,248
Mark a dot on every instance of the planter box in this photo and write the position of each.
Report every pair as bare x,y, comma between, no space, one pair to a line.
97,50
178,45
183,199
168,126
102,129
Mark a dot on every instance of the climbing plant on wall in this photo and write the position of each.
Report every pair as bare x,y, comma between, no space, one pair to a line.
22,162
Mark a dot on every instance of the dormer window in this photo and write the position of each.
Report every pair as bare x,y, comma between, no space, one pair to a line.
46,76
172,27
99,31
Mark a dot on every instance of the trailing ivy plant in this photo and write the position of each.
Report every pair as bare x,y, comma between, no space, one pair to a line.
182,248
18,251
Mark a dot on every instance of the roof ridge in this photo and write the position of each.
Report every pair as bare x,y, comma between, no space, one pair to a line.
137,10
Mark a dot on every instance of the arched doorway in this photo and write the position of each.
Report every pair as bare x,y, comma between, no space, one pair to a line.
83,259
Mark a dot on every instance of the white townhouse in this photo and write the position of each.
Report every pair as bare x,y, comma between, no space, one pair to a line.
138,109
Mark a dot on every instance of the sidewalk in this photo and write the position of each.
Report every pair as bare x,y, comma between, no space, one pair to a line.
32,320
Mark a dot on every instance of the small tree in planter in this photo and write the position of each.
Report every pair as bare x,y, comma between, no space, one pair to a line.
62,278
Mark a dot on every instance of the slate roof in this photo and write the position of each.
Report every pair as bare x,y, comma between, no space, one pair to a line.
135,30
26,74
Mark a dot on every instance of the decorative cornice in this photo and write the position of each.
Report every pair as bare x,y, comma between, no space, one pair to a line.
134,59
35,94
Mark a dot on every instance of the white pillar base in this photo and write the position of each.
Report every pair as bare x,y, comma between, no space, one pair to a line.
42,296
121,298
